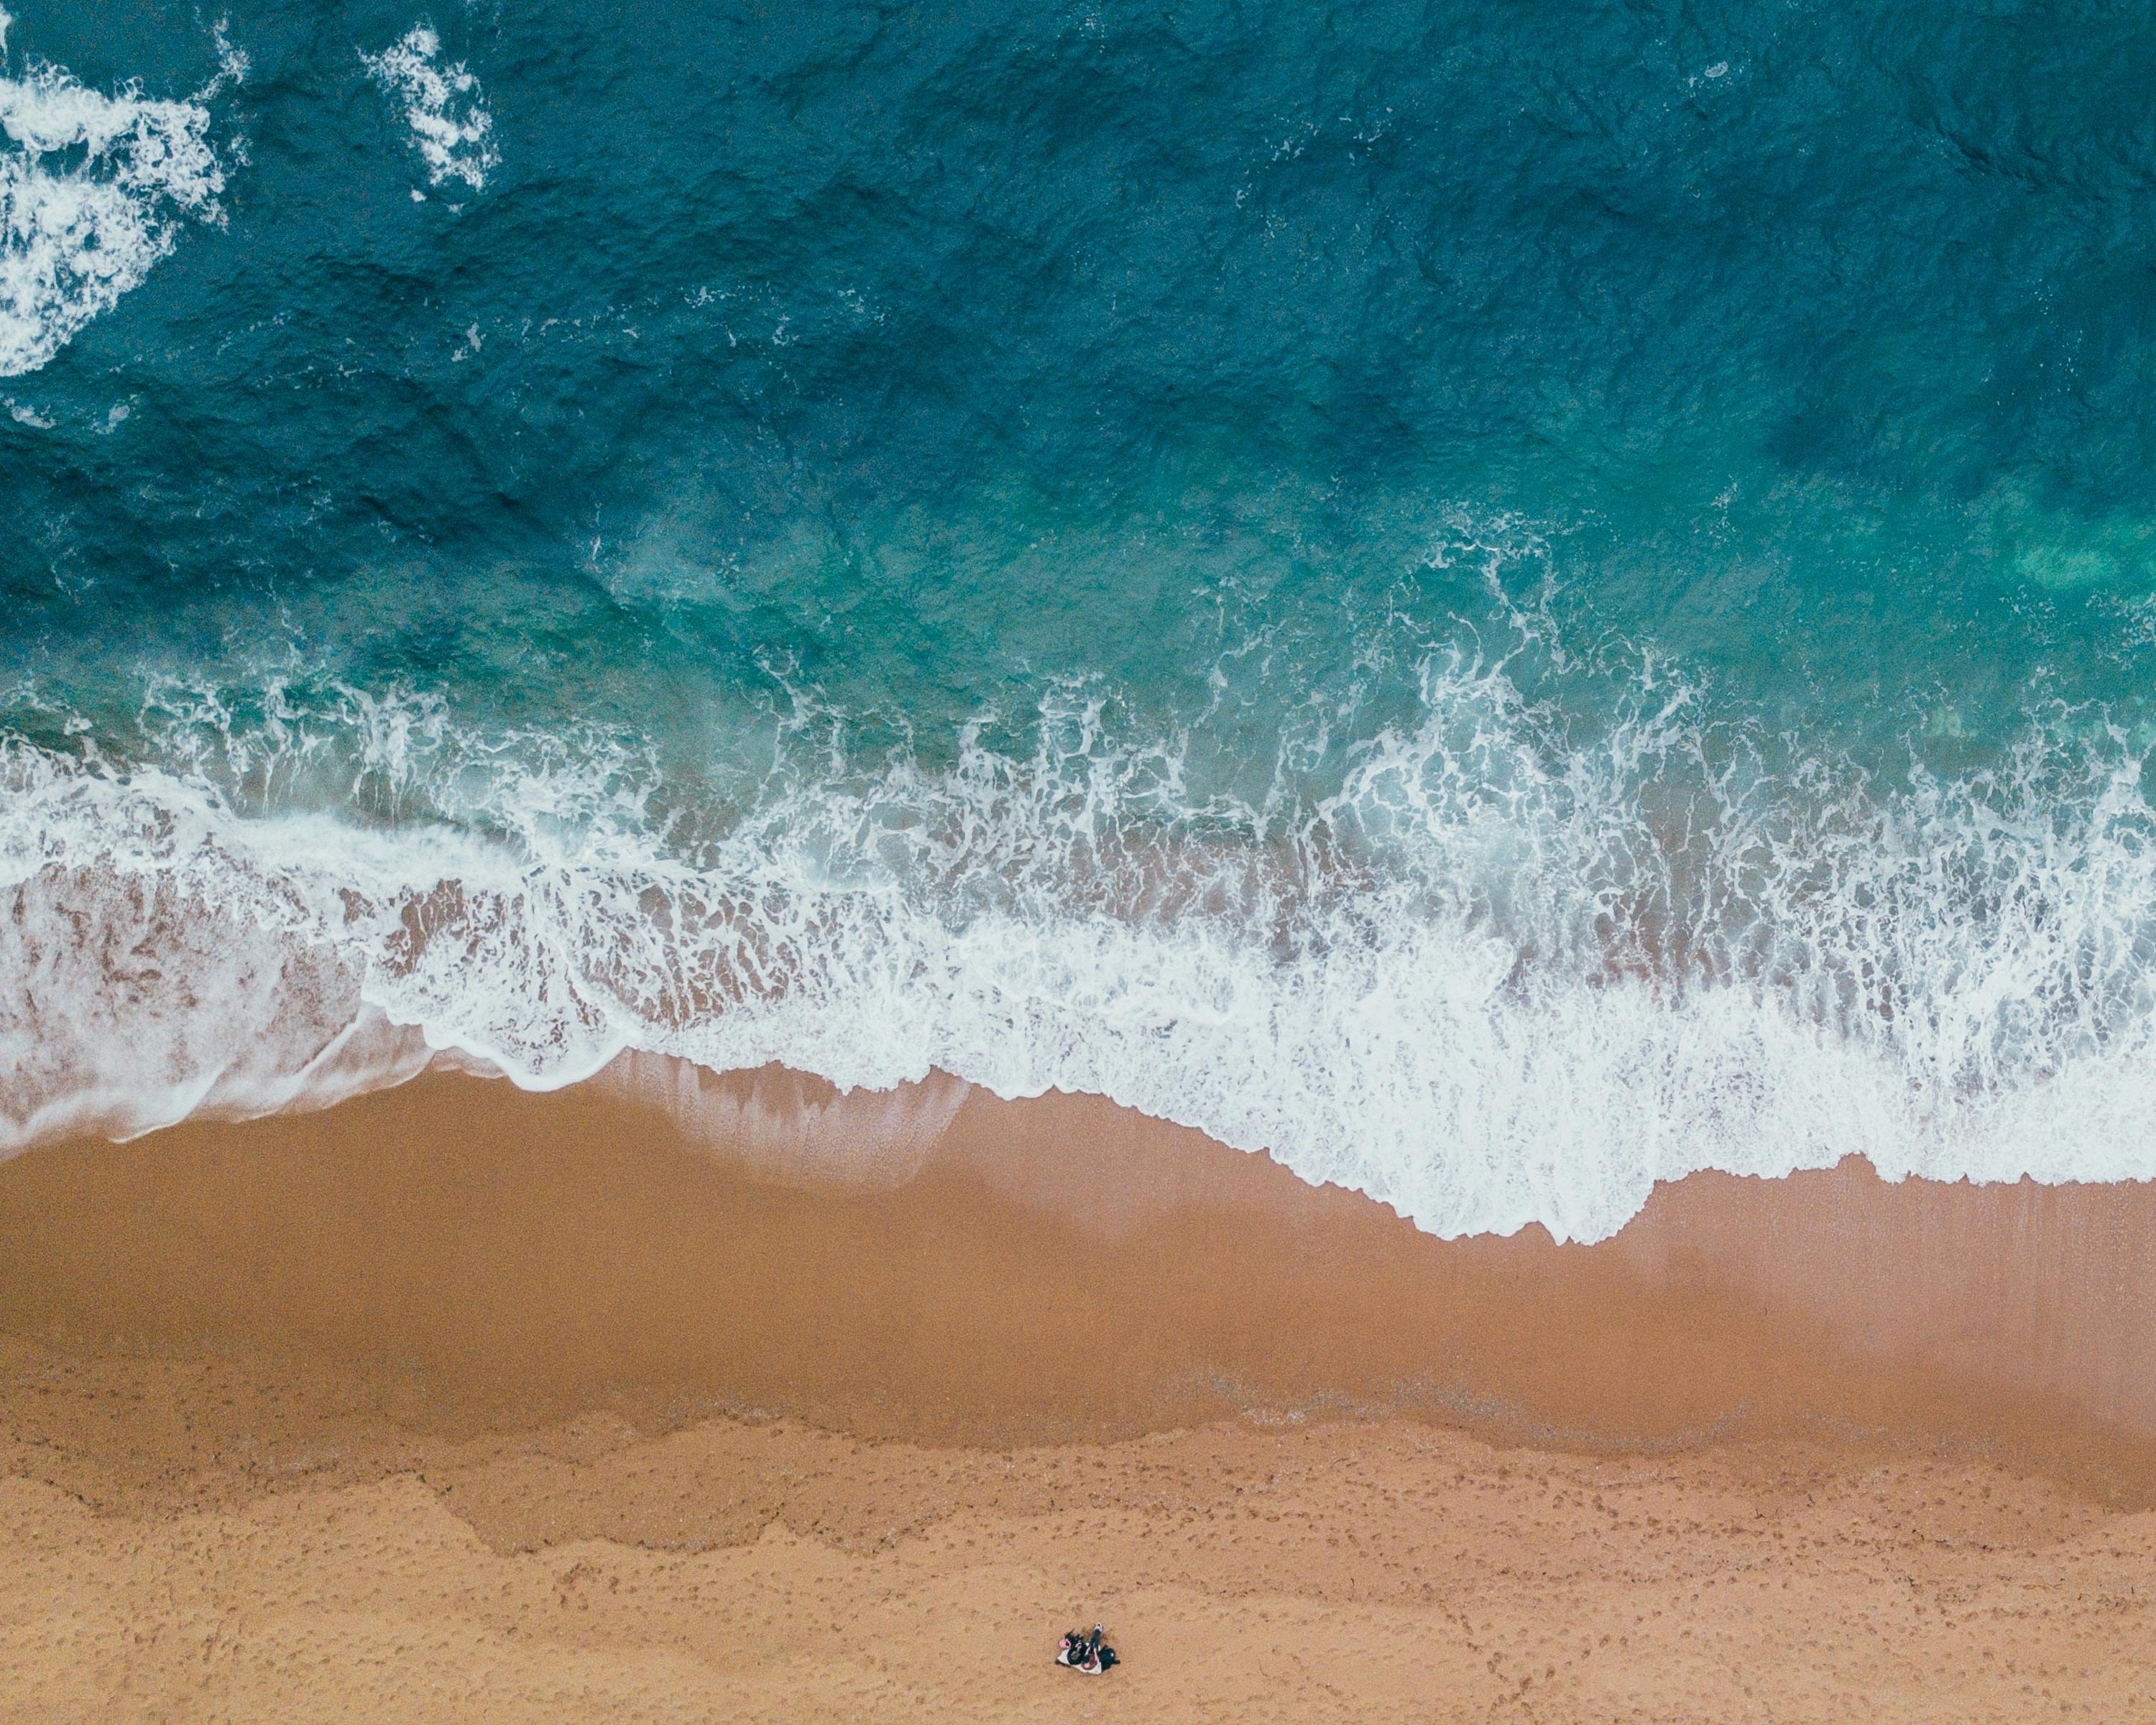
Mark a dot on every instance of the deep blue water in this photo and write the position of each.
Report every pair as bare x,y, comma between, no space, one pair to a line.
1502,602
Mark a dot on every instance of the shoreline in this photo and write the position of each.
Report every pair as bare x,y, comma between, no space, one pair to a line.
941,1265
659,1399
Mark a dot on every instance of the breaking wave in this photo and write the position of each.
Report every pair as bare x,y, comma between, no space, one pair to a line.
94,189
1499,973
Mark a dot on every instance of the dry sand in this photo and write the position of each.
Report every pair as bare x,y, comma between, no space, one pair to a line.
455,1403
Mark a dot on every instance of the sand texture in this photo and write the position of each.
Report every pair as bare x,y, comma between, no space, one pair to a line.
1344,1571
453,1404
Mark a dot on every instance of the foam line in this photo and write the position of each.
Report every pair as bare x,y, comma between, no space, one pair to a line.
1501,974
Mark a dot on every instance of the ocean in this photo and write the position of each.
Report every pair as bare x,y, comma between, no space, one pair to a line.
1503,603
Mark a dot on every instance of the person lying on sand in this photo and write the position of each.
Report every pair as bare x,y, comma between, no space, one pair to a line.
1086,1653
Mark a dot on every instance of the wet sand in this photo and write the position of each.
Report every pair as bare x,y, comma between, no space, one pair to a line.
714,1399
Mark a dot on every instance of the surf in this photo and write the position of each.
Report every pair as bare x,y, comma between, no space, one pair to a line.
1503,972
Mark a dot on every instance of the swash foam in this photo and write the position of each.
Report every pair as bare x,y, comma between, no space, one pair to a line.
1484,985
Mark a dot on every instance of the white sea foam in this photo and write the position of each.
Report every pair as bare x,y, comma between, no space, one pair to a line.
94,189
445,107
1498,976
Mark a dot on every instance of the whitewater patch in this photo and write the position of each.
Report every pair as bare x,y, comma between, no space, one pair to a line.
1493,978
94,190
443,108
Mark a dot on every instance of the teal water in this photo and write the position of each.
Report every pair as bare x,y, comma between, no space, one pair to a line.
1501,603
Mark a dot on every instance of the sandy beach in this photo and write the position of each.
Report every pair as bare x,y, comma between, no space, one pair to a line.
665,1397
831,835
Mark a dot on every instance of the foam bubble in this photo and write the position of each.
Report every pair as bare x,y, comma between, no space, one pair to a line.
444,108
1505,973
94,191
170,1006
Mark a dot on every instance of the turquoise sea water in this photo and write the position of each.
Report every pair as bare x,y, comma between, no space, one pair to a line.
1500,602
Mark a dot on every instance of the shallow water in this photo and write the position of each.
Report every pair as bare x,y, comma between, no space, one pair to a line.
1502,604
